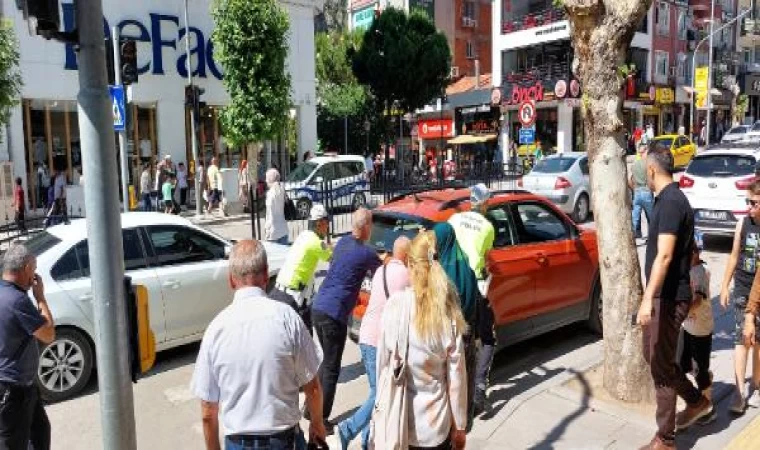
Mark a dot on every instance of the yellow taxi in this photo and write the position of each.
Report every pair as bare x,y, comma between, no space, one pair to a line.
681,147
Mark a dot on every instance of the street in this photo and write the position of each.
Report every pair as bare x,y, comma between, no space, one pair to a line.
534,392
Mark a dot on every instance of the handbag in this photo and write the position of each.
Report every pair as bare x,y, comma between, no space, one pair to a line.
290,209
389,428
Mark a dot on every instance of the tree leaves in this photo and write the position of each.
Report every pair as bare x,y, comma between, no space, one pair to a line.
10,77
339,93
250,42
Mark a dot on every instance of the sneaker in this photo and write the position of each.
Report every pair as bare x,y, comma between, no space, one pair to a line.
754,399
738,405
658,444
691,414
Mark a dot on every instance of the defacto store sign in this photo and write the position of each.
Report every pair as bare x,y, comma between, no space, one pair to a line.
363,18
435,128
153,31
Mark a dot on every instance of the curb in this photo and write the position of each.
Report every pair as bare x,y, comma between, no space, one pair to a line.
749,437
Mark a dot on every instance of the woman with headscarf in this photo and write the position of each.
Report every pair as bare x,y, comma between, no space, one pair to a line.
275,225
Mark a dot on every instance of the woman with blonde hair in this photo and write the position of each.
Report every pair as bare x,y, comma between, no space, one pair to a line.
436,378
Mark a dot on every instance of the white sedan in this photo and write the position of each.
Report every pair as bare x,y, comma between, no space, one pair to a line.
183,267
563,179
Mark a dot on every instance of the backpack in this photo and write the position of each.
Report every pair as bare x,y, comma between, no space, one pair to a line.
290,209
389,428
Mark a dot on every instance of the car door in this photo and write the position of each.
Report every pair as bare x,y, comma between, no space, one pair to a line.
323,179
564,270
192,271
585,180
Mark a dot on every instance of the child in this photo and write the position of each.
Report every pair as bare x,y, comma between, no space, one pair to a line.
167,189
698,329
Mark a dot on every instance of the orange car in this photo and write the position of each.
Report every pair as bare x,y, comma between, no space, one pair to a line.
545,269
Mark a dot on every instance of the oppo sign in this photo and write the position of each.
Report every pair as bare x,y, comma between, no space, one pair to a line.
155,35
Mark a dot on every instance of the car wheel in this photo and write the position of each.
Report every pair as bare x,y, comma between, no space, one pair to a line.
596,314
581,210
303,206
65,365
359,201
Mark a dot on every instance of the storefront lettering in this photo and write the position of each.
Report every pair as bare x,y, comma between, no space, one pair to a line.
134,29
521,94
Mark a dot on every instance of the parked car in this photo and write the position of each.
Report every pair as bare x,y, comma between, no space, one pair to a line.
753,134
735,134
183,267
715,183
563,179
344,176
545,268
681,147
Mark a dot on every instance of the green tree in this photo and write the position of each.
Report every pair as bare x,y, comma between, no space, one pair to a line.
250,42
335,14
10,77
601,33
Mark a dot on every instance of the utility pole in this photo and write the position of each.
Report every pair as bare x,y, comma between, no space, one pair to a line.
709,72
104,232
193,132
122,134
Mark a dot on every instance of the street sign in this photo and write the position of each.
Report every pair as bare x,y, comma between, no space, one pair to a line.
118,108
527,135
527,114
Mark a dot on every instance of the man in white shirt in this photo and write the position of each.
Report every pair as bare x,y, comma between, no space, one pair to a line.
145,188
254,357
214,185
182,185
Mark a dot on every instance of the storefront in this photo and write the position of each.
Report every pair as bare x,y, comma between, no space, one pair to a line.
481,123
44,131
752,90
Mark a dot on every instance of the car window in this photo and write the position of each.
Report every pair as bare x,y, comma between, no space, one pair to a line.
181,245
327,172
41,242
83,255
741,129
301,172
505,233
722,166
386,229
554,165
584,166
536,223
668,142
347,170
67,267
134,257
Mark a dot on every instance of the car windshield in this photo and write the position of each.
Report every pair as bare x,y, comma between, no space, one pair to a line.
554,165
41,242
737,130
667,142
756,127
387,228
722,166
302,172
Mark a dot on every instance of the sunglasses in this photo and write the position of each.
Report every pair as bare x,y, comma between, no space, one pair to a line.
752,203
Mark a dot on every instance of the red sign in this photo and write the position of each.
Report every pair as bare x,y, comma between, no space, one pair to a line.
435,128
527,114
522,94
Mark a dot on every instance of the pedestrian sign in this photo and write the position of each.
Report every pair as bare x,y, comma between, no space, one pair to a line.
118,108
528,135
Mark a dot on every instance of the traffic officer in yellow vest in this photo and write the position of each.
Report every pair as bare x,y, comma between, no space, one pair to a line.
295,282
475,235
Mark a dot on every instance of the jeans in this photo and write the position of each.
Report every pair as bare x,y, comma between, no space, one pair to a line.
147,204
487,335
359,421
23,420
262,443
332,337
643,200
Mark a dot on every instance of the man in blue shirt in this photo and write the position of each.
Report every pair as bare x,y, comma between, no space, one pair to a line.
23,420
337,297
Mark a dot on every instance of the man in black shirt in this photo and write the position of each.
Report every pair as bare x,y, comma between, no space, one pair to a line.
667,299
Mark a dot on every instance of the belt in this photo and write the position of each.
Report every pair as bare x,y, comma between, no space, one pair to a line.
243,439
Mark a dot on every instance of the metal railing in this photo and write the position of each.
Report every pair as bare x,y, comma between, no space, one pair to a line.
546,72
514,22
12,230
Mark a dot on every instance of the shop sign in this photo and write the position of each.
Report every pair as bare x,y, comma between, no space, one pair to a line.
522,94
435,128
157,38
481,126
752,84
652,93
664,96
527,114
575,88
554,29
496,96
700,85
560,89
363,18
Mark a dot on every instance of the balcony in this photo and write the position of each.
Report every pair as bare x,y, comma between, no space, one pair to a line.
514,22
547,74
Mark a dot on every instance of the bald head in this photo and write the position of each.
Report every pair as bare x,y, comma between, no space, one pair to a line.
362,224
401,248
248,265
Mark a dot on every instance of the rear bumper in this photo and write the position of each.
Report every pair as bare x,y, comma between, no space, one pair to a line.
715,228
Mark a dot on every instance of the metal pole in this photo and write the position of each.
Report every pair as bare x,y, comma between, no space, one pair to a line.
345,134
103,230
123,133
709,73
193,132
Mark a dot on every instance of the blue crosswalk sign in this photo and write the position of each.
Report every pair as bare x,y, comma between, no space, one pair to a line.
117,106
527,135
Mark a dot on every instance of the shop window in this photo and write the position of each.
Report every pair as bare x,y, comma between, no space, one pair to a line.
661,66
469,10
471,53
682,17
663,19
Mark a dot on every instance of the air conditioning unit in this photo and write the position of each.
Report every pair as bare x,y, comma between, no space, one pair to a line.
454,72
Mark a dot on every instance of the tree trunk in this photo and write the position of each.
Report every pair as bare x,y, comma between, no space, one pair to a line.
601,34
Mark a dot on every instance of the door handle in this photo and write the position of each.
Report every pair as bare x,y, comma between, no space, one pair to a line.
541,259
86,297
171,284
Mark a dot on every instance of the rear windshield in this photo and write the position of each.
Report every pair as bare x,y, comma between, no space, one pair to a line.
554,165
737,130
41,242
387,228
722,166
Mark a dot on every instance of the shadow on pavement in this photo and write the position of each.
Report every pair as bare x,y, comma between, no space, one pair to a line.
690,438
556,433
351,372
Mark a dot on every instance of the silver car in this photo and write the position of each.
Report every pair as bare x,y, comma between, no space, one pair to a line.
562,179
736,134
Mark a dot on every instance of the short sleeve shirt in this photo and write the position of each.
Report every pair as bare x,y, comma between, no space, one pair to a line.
166,189
19,319
672,215
213,177
301,263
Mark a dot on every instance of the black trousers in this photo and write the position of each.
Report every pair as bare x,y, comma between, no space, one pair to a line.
20,220
304,312
182,196
23,420
332,337
696,357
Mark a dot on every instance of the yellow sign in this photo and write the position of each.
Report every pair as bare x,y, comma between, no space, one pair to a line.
700,86
664,96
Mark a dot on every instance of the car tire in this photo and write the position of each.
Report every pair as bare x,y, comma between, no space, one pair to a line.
65,365
358,201
596,311
303,208
582,209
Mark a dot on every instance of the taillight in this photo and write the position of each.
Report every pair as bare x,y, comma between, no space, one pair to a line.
562,183
519,182
685,182
743,185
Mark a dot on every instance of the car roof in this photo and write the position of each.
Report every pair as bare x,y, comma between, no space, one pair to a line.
78,227
326,159
567,155
732,148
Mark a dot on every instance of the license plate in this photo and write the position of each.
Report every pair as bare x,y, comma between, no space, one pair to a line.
713,215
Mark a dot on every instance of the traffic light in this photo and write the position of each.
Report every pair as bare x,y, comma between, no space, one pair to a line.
193,99
128,53
45,15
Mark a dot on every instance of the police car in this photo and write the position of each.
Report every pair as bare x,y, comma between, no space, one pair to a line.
343,178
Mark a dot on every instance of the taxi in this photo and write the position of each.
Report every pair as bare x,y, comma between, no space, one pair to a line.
681,147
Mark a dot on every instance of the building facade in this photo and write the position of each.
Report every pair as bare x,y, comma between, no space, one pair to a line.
43,130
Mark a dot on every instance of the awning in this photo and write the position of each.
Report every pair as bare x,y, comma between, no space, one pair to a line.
470,139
